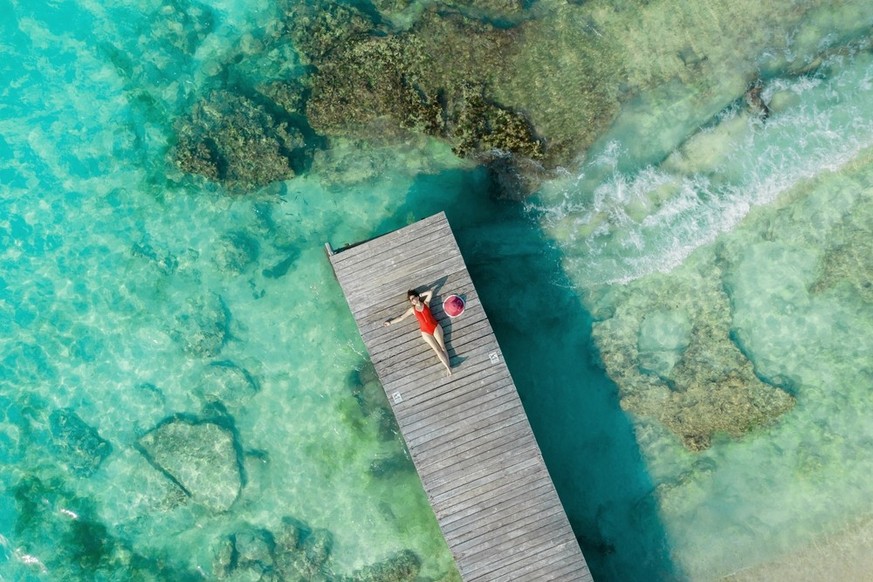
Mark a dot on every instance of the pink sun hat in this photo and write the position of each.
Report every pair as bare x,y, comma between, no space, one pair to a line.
453,306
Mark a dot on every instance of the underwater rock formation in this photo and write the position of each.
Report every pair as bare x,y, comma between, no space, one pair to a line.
235,252
203,326
163,260
200,456
60,531
287,95
369,81
754,98
231,139
669,349
296,553
388,466
403,566
182,25
228,383
77,443
372,402
502,11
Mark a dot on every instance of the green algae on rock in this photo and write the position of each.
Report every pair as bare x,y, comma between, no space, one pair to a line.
231,139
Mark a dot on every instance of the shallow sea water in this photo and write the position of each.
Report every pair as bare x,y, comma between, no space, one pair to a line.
128,291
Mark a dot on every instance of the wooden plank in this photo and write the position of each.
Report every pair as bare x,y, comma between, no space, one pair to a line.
523,535
526,567
467,434
465,512
506,516
485,483
541,544
462,416
387,242
477,361
414,272
489,419
490,434
435,460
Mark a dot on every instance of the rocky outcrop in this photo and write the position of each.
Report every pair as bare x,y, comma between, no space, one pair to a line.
226,382
203,326
403,566
201,457
295,552
77,443
236,252
369,81
230,138
63,535
669,348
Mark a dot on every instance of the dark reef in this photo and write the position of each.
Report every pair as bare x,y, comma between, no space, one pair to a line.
230,138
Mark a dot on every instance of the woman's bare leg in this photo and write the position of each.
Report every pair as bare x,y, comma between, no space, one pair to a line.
438,334
440,352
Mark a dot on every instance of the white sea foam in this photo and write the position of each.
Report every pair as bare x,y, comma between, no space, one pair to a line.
596,215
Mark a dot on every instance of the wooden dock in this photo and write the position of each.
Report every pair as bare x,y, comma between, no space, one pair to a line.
468,434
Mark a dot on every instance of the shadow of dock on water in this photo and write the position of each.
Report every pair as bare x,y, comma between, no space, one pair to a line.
544,331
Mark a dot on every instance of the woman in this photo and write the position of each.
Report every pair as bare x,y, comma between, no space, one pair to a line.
431,330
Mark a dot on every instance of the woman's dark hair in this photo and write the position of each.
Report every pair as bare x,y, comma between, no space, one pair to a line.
411,293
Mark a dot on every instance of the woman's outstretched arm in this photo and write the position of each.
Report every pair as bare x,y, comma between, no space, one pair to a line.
391,320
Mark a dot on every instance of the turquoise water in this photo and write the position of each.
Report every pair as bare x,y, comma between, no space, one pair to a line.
135,299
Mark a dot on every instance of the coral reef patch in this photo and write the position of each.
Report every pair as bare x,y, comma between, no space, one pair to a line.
231,139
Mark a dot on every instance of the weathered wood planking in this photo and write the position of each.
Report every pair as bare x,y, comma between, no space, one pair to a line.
467,434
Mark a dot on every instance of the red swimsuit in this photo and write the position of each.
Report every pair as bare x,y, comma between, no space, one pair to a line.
426,320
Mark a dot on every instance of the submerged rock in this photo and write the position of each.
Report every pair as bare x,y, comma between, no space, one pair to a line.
236,252
226,382
669,348
293,552
78,443
182,25
163,260
290,535
389,466
754,98
203,326
302,553
371,403
62,533
231,139
200,456
403,566
254,549
370,81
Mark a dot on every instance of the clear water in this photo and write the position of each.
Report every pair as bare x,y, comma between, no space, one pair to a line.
123,283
